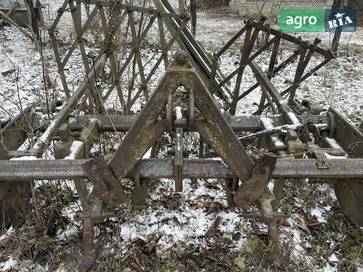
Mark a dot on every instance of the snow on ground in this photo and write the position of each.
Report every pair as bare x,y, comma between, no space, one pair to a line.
184,219
22,82
188,221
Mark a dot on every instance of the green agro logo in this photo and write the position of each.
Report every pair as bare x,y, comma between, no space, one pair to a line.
317,20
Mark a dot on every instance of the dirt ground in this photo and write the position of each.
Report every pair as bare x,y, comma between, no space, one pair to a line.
172,232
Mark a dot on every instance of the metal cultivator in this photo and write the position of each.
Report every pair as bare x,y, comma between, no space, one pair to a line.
282,140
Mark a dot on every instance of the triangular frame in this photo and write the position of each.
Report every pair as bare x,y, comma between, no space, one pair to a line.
148,128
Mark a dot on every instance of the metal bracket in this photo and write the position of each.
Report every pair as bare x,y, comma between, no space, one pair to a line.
106,185
321,160
253,188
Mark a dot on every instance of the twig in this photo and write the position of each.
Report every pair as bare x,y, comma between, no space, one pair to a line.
214,227
39,46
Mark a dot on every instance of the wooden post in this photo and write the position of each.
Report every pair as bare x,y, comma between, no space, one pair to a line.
33,20
193,13
335,43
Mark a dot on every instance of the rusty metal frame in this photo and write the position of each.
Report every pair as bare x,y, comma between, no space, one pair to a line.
216,129
170,22
284,135
305,51
137,31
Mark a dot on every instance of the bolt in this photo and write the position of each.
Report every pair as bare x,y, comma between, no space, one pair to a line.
181,57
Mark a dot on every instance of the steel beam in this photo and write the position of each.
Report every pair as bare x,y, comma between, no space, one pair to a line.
26,170
17,170
243,123
346,134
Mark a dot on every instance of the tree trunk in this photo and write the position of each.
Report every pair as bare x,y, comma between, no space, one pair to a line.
33,20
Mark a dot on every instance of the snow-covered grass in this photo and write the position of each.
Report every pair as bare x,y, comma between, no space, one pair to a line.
180,221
